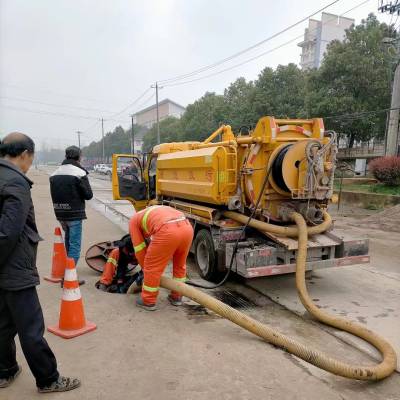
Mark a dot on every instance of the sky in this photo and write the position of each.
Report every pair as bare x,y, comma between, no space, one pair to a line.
66,64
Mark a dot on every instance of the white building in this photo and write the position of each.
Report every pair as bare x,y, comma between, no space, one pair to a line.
318,35
167,108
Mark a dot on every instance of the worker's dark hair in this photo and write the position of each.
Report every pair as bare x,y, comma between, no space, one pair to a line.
73,153
15,144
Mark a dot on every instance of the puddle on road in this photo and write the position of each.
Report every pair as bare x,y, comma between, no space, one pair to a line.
199,313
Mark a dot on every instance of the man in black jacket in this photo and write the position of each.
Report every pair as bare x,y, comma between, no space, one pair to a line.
20,310
70,187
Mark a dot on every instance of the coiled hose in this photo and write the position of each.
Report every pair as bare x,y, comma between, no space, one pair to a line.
315,357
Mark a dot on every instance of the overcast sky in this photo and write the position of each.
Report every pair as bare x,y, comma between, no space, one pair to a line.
89,59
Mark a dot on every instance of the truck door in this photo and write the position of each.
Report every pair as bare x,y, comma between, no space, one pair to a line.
128,181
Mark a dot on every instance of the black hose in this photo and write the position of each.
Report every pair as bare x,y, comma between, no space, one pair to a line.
242,234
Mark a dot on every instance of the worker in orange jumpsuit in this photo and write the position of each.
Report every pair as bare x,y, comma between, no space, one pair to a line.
116,268
171,237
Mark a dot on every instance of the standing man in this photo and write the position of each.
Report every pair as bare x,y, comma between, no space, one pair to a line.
70,187
20,310
171,237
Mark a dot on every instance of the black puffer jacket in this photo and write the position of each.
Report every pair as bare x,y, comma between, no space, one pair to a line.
18,232
70,187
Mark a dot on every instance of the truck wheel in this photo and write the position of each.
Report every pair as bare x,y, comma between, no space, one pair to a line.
109,174
205,255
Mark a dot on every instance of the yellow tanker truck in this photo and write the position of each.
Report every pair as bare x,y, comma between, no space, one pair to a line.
280,167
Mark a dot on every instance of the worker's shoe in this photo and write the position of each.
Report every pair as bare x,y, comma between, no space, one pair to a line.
101,286
5,382
175,301
62,384
149,307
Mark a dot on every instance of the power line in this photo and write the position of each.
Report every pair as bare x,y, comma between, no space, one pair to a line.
195,72
47,112
49,91
133,103
55,105
360,114
261,54
146,101
57,114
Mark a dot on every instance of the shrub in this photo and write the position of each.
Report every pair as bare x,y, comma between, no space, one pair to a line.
386,170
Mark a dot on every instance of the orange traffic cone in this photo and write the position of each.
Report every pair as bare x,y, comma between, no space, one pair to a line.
72,321
59,258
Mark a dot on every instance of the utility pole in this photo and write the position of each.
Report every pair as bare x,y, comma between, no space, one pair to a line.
132,138
158,116
79,133
102,140
158,113
392,139
392,136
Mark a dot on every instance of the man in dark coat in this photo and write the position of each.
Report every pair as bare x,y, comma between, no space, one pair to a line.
20,310
70,187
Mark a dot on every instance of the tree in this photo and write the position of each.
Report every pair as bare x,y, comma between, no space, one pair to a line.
239,102
203,117
354,78
280,93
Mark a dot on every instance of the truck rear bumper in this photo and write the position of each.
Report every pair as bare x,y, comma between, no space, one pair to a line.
310,266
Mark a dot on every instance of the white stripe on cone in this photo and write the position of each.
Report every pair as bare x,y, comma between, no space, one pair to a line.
71,294
58,239
70,275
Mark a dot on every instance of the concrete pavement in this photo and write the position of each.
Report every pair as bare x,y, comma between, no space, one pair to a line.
367,294
186,353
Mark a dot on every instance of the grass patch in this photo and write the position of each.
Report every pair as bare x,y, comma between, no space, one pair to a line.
379,188
385,189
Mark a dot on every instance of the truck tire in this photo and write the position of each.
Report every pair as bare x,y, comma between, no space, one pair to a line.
205,255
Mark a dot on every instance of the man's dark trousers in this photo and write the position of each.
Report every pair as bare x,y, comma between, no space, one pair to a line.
21,313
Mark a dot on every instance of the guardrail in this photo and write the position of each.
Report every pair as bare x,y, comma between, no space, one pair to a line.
362,152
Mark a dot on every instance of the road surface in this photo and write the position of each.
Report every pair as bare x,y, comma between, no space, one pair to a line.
188,353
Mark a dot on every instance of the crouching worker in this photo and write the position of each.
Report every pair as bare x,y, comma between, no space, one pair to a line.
171,237
116,276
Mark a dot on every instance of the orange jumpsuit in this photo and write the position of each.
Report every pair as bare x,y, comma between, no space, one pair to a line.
110,268
171,237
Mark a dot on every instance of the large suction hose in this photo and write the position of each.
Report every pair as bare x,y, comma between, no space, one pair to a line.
288,231
315,357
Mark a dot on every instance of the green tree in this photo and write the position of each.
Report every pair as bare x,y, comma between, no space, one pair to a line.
280,93
354,78
239,100
203,117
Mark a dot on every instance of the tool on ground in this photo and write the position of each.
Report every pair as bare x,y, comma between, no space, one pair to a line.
72,320
59,260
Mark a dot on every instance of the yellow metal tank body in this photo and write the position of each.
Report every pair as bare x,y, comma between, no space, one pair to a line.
291,161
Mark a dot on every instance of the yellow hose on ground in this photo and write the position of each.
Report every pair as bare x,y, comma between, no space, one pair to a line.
315,357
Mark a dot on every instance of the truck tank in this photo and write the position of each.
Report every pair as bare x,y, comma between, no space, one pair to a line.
296,157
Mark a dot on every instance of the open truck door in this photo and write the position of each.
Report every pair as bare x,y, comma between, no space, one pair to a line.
128,180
